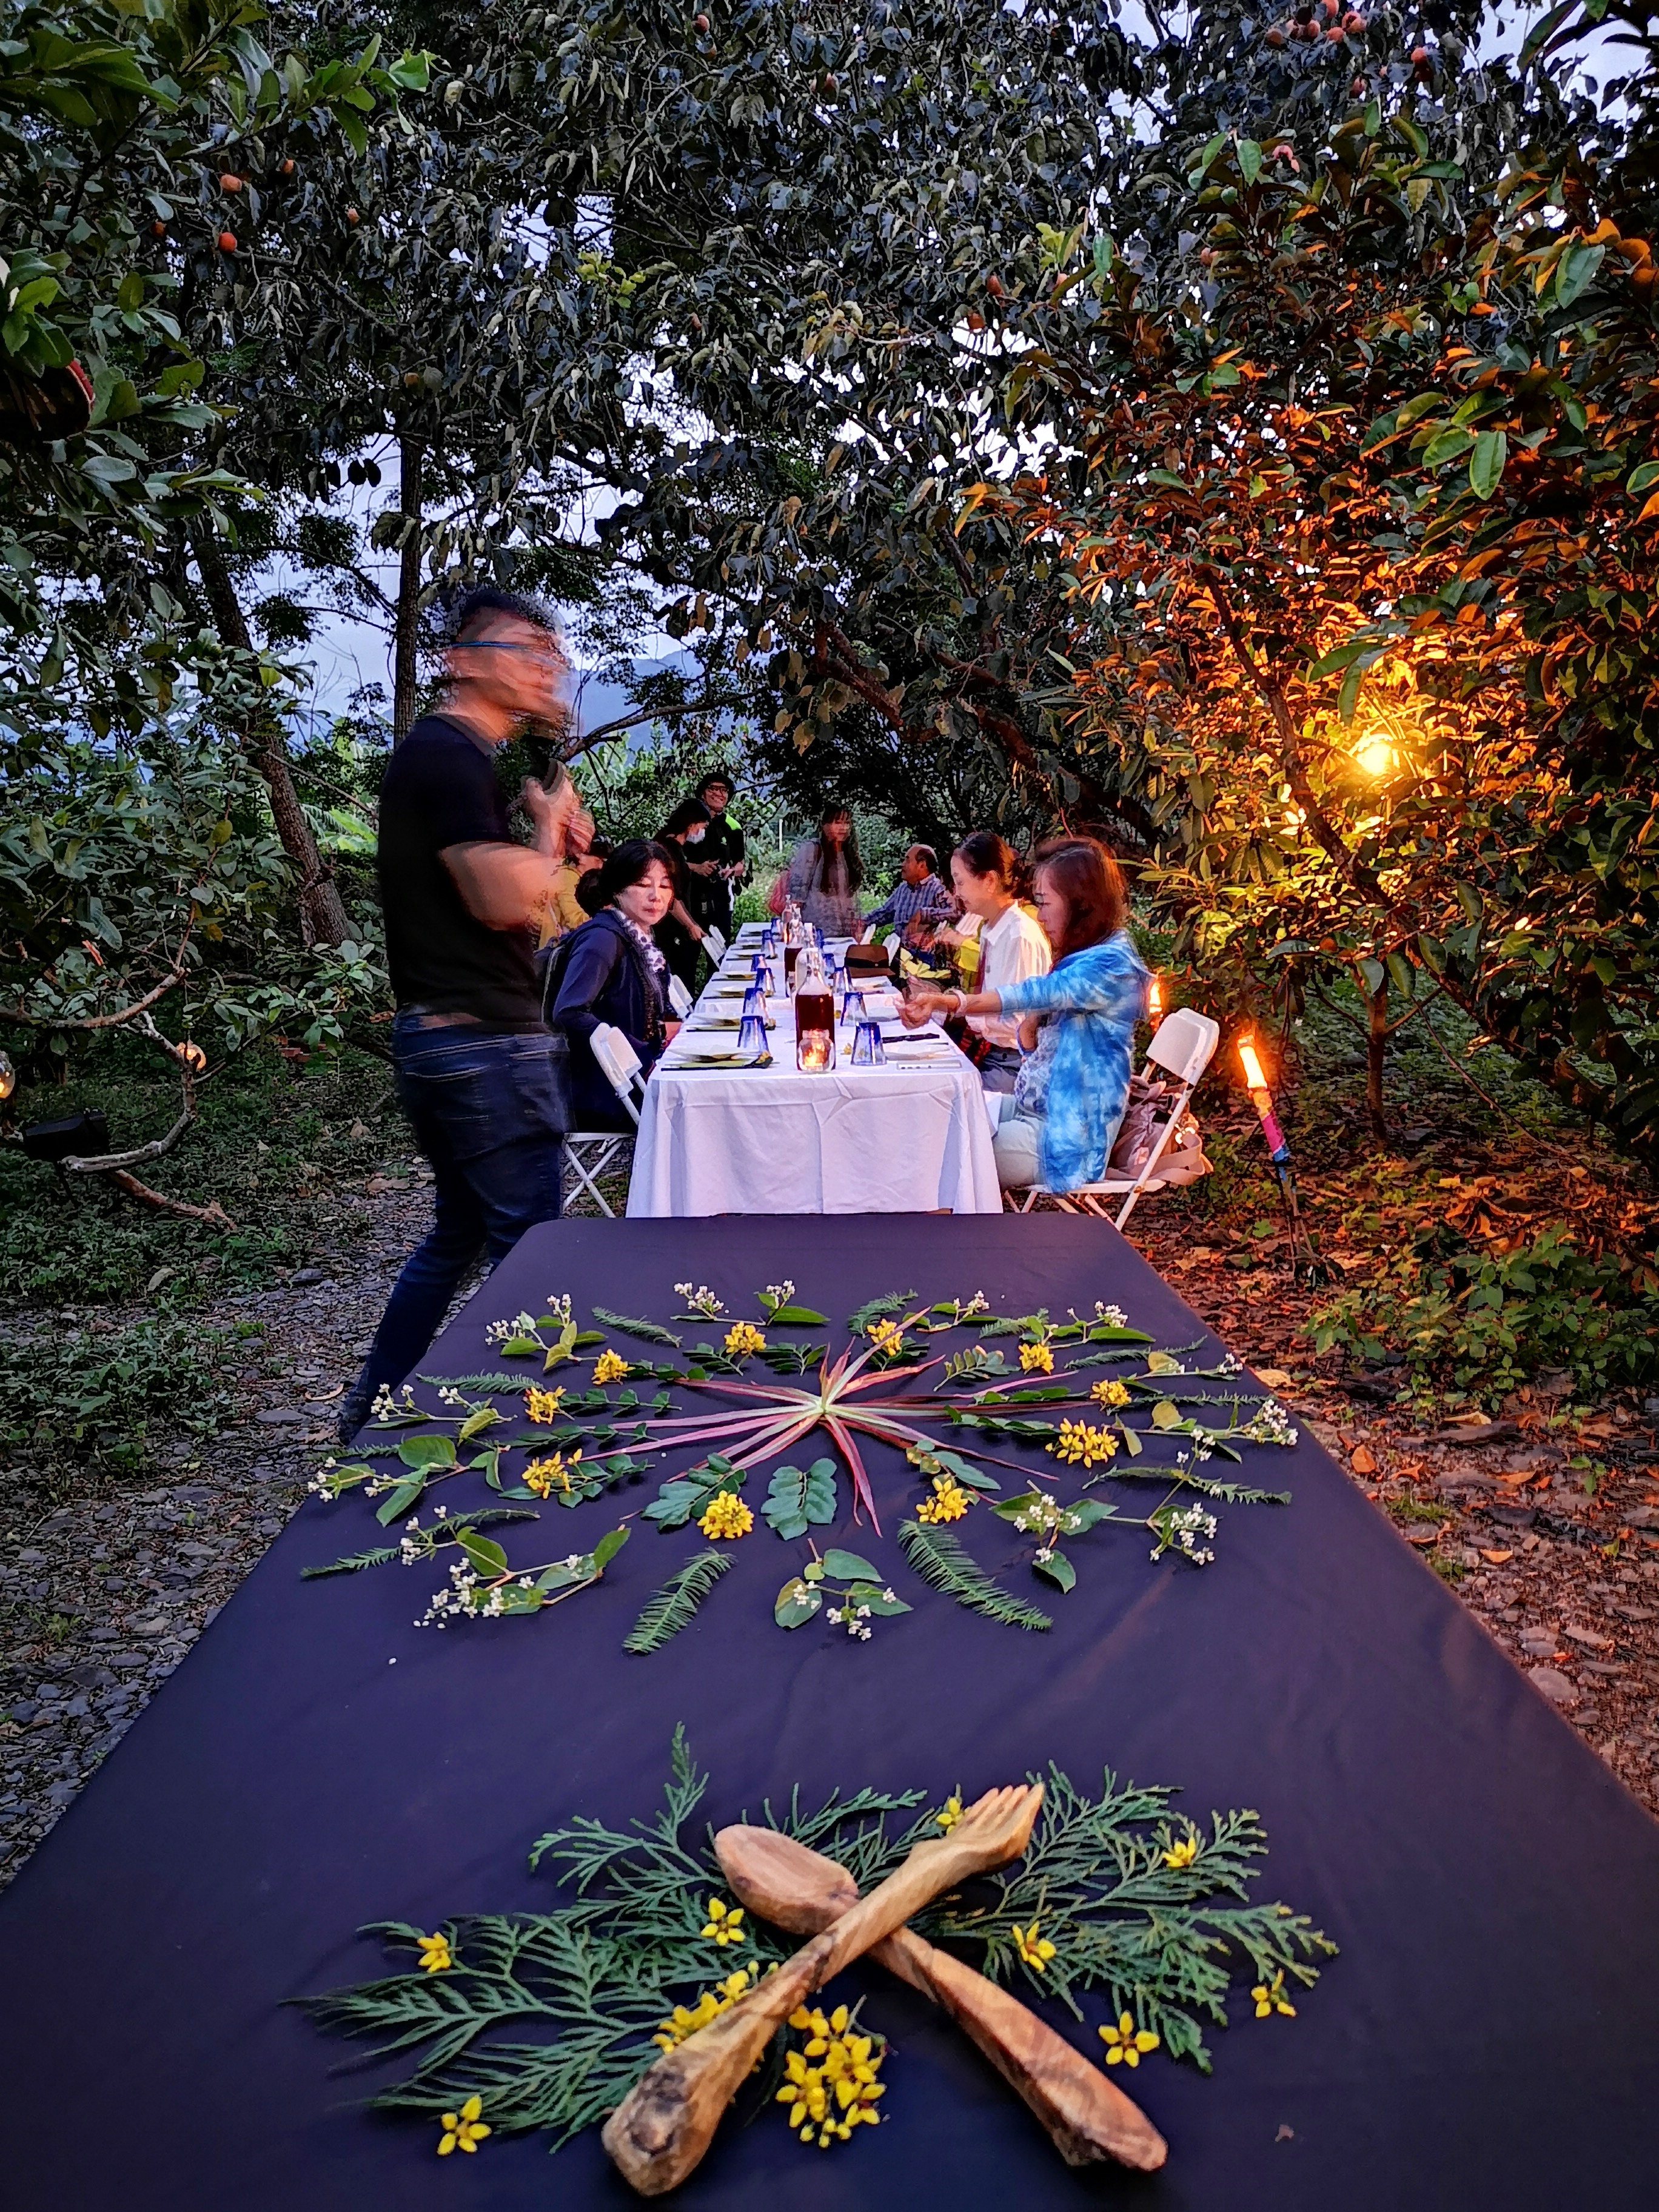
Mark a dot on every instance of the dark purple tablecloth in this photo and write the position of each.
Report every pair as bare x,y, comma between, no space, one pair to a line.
1488,2038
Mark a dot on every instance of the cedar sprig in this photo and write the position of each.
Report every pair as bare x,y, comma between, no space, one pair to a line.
649,1332
939,1559
496,1379
674,1605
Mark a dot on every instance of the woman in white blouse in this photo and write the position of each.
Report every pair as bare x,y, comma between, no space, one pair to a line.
1011,945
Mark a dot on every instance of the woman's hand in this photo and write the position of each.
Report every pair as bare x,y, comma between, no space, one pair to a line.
918,1006
1028,1032
952,940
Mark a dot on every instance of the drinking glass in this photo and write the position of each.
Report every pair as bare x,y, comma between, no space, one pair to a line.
852,1005
867,1048
752,1035
754,1002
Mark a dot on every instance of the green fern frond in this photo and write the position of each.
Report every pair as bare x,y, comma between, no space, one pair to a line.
672,1606
353,1563
497,1379
893,1302
938,1556
648,1331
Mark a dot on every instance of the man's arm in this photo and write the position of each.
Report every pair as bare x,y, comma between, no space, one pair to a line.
508,886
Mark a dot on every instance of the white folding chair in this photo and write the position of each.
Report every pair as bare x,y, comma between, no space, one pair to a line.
679,998
713,944
590,1153
1183,1047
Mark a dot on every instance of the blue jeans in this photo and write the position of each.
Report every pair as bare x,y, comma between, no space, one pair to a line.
488,1109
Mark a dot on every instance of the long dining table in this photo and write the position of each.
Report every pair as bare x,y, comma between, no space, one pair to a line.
725,1133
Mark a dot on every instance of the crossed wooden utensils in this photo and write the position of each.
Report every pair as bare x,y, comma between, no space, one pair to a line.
661,2131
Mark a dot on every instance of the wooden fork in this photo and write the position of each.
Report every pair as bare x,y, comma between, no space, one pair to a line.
661,2128
1087,2117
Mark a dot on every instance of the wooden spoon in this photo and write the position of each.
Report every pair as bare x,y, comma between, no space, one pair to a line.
1086,2116
666,2122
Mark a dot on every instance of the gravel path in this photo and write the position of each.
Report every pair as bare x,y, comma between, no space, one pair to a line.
99,1601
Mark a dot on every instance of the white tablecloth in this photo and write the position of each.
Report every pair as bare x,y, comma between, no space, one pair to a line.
896,1139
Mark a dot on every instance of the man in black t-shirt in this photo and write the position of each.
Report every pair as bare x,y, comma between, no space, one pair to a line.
721,856
478,1073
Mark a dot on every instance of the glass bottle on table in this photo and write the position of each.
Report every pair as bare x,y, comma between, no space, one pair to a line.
815,1015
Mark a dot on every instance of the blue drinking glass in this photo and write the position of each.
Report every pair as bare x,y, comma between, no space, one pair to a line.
754,1000
853,1008
752,1035
867,1048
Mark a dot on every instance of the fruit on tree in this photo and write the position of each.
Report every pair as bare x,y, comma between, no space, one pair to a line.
230,182
352,215
227,241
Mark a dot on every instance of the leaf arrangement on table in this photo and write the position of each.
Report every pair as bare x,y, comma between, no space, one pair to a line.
593,1432
547,2021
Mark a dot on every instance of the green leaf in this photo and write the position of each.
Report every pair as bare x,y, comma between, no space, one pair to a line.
520,1347
797,1603
1640,480
891,1302
1010,1509
608,1546
428,1452
848,1567
398,1501
1163,1363
672,1608
1249,160
939,1559
1057,1569
1088,1512
1448,444
474,1424
874,1596
353,1563
798,1499
1575,271
797,1317
1166,1416
487,1558
1492,451
970,1477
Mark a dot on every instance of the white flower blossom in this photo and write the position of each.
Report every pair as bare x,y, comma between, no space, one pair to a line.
779,1294
1114,1316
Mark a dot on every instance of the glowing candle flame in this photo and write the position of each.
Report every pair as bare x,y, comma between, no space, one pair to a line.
1252,1076
1155,1001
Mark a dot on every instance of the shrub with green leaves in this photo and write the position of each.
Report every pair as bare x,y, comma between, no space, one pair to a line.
109,1394
1487,1322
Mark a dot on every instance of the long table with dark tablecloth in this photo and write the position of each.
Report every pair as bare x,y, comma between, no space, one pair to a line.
1488,2037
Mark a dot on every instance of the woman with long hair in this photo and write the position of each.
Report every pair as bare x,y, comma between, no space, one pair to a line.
1076,1024
680,931
826,874
611,970
984,874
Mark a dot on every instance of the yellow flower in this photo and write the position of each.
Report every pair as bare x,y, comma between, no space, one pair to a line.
1270,1998
947,1820
610,1367
1124,2046
950,1501
726,1516
742,1336
685,2021
462,2130
1111,1393
724,1924
543,1406
1183,1853
435,1955
1036,1950
544,1476
1078,1441
887,1336
827,2101
1035,1359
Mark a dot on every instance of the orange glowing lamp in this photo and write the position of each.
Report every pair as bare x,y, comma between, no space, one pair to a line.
1262,1099
1155,1002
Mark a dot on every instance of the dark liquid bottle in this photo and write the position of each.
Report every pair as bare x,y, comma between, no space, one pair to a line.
815,1026
791,955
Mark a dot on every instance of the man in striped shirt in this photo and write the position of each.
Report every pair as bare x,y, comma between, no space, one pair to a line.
915,906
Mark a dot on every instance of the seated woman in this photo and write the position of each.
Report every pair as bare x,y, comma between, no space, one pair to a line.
1077,1025
610,970
826,874
680,931
1012,945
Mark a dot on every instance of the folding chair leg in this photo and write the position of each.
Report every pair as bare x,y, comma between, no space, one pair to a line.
1156,1154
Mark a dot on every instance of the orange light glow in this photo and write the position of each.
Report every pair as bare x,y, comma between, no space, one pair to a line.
1155,1001
1252,1066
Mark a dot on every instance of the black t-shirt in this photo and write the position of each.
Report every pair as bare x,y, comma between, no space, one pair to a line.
441,790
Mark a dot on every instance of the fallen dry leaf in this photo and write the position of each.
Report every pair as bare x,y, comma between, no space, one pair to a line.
1274,1377
1498,1559
1362,1461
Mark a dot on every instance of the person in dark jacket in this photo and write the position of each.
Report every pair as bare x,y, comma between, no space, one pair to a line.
680,931
610,970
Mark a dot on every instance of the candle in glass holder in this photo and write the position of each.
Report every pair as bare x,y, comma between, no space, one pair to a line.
815,1017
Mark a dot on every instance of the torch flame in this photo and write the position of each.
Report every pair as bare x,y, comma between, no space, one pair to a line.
1247,1058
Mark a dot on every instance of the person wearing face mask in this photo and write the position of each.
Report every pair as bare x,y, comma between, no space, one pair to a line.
611,970
680,932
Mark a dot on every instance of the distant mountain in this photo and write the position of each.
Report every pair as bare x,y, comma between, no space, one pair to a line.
599,702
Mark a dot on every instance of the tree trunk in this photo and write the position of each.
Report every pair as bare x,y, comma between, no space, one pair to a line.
405,671
1376,1045
322,913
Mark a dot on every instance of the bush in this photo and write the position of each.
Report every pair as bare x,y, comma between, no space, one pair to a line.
106,1394
1487,1322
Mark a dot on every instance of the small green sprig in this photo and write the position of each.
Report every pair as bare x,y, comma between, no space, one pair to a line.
858,1593
939,1559
674,1605
420,1543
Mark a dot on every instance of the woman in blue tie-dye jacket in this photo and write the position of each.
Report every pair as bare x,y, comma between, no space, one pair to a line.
1077,1023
